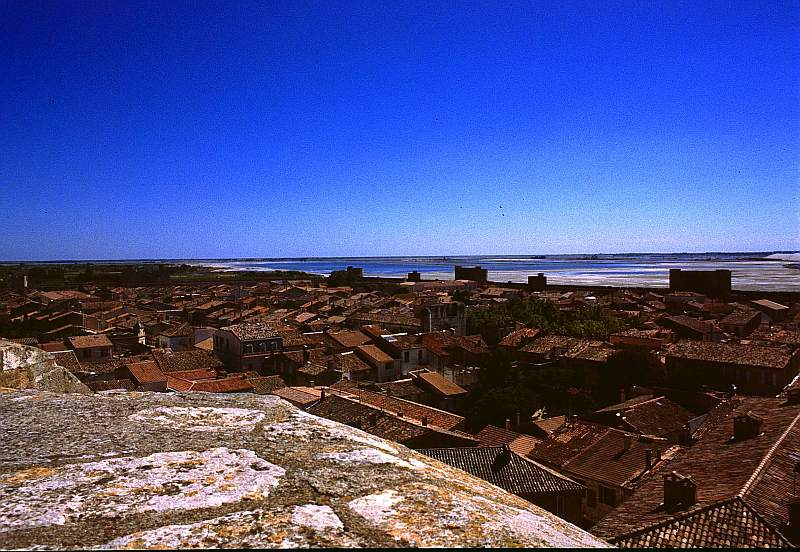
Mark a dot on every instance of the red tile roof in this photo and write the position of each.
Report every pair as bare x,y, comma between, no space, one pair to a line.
350,339
729,523
409,409
758,470
441,385
731,353
89,341
146,372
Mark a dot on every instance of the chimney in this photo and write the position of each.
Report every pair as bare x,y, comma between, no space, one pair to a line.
658,455
648,459
322,394
519,418
400,414
794,515
424,420
306,353
679,490
622,395
502,459
746,426
626,442
508,423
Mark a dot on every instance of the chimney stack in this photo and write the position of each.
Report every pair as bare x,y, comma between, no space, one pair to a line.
746,426
306,353
679,490
794,515
322,394
508,423
519,418
648,459
626,442
425,420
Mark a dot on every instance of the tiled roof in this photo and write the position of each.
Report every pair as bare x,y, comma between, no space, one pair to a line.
405,388
492,436
441,384
609,461
194,375
88,341
758,470
68,360
409,409
545,344
731,353
349,362
146,372
295,396
567,441
53,346
224,385
252,330
691,323
730,523
375,354
267,384
182,330
771,305
593,352
549,425
505,469
350,339
171,361
740,317
314,369
657,416
111,385
31,341
369,418
104,367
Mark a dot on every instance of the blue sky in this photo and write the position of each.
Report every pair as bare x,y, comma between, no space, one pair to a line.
163,129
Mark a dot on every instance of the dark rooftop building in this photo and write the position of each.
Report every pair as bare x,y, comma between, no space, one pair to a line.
713,283
476,274
755,368
511,472
733,488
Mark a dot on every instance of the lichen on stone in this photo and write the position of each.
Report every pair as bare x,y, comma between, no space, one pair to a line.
200,418
127,470
158,482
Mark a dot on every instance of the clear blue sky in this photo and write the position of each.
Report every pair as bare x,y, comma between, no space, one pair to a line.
225,129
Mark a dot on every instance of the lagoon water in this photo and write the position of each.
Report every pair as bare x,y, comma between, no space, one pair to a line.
750,271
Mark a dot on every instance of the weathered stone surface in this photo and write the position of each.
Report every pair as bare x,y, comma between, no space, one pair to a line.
23,367
139,470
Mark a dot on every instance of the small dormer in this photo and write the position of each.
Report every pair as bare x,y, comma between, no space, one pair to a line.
747,426
679,490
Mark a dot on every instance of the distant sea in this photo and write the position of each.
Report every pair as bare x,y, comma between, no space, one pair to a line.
773,271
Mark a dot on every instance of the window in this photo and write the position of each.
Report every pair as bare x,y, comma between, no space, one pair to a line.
608,496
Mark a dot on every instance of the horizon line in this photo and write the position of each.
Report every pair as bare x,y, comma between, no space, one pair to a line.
531,255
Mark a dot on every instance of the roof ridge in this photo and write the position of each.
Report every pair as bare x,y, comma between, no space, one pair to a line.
690,513
767,457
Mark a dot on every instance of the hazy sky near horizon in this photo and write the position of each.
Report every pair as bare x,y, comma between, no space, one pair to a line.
247,129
